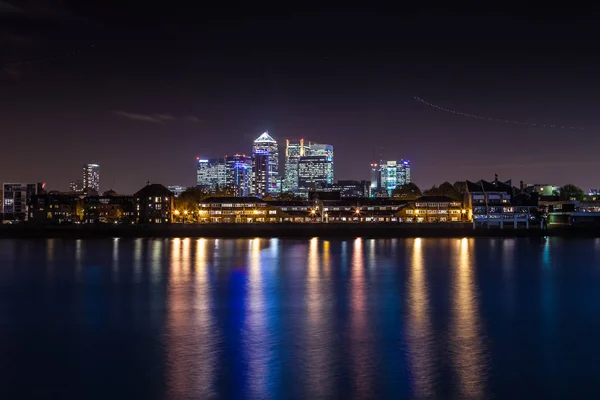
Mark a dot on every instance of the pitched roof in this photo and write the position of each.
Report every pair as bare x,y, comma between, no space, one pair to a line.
435,199
231,199
485,186
265,138
154,189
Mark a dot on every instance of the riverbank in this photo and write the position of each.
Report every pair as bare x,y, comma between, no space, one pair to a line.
282,231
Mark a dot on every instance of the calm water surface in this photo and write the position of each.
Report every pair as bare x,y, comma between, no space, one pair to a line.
269,318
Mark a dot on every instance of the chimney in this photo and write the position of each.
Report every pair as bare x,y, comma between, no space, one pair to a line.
521,186
496,178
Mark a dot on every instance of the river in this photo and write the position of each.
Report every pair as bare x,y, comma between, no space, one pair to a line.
300,319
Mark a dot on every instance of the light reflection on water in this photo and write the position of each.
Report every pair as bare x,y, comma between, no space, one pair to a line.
420,333
275,318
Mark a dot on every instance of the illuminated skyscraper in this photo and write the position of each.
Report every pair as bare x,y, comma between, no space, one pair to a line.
265,177
293,151
91,178
389,175
326,151
316,161
211,174
260,172
239,174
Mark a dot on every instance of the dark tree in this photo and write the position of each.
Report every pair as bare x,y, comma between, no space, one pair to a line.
460,187
409,191
571,192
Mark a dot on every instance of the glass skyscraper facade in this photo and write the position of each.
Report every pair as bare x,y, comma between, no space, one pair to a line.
265,177
308,166
388,175
314,172
293,151
239,174
211,174
91,178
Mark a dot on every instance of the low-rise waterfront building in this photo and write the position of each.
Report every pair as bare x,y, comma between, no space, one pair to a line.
498,203
15,200
153,205
109,208
434,209
54,208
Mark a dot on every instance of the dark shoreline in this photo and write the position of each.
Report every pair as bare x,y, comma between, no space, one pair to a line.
284,231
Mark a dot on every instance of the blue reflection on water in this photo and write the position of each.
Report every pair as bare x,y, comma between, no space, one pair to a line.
275,318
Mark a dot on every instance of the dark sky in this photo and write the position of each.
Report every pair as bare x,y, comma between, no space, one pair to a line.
143,89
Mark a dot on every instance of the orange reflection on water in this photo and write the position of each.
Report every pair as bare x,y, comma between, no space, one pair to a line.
468,350
191,341
318,334
359,328
420,334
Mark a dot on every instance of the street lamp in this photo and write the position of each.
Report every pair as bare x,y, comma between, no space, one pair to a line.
176,212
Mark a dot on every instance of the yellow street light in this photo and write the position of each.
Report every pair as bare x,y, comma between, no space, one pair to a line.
176,212
185,212
313,211
463,211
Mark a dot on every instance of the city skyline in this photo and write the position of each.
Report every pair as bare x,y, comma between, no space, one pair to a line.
143,92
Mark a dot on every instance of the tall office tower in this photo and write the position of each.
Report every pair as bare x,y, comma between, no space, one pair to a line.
211,174
388,175
293,151
375,176
239,174
91,178
324,150
260,172
403,174
314,172
263,146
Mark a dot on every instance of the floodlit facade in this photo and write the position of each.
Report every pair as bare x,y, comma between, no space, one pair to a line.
211,173
91,178
265,179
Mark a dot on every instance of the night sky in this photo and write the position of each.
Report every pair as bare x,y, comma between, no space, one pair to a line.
142,89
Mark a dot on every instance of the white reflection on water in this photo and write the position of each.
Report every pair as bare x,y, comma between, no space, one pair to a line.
360,340
420,334
318,333
78,258
115,260
468,350
204,327
255,327
156,261
508,266
137,259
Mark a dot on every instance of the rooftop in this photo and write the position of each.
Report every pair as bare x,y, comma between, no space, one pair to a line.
265,138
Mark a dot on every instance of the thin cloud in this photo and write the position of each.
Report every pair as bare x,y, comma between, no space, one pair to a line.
156,118
139,117
165,117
